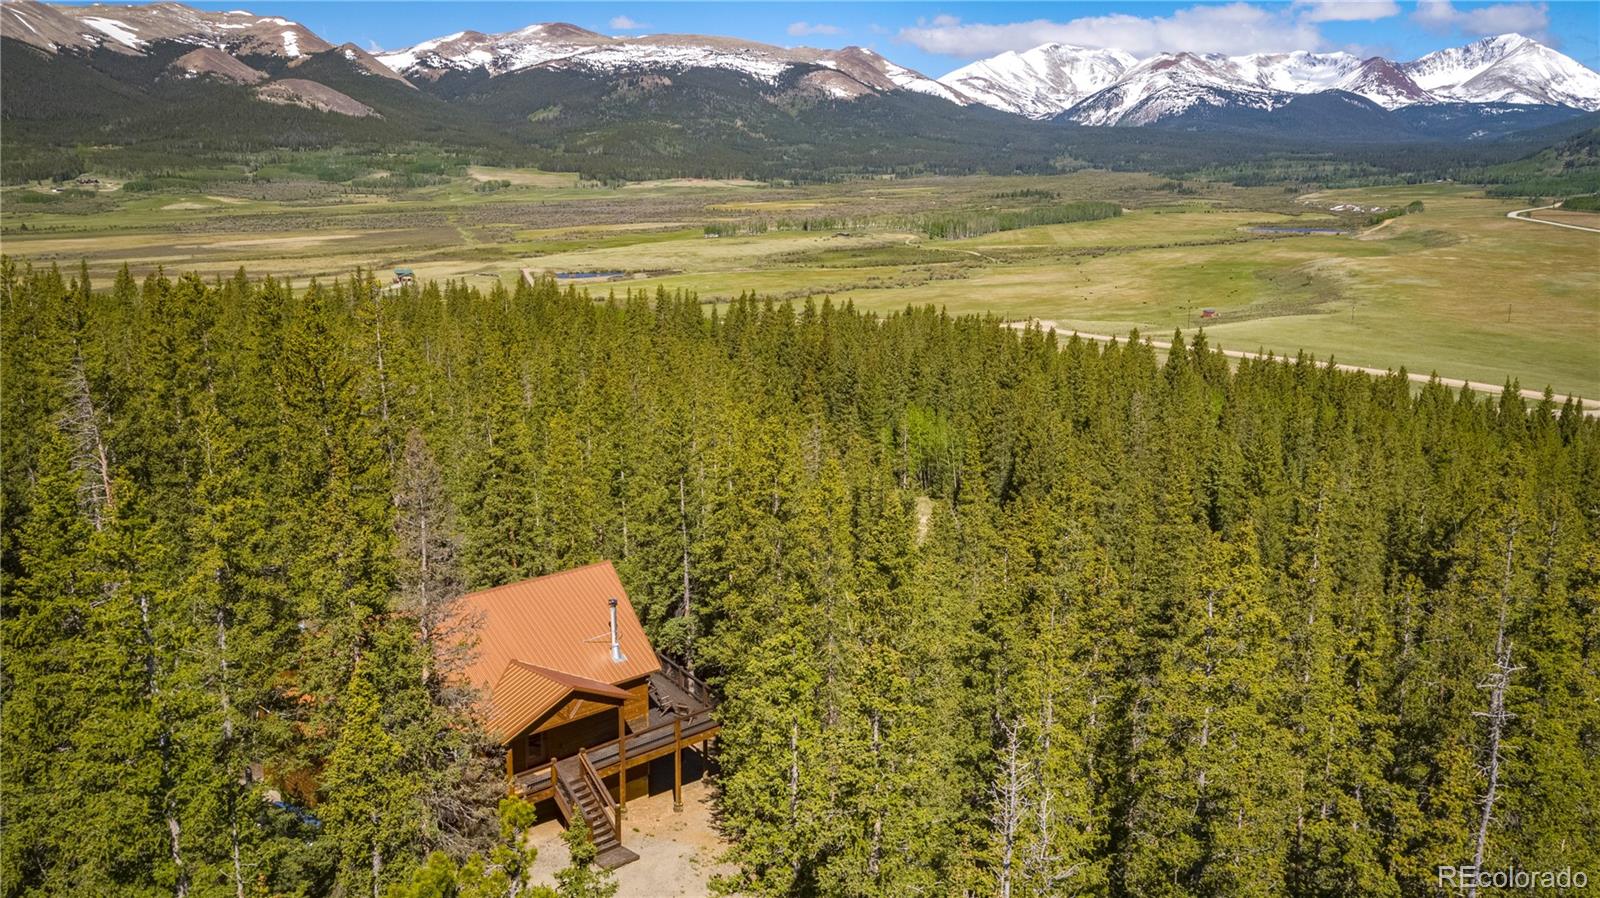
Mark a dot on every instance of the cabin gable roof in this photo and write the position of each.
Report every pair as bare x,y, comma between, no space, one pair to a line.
540,641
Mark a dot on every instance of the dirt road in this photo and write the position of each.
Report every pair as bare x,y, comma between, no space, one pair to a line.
1591,407
1522,215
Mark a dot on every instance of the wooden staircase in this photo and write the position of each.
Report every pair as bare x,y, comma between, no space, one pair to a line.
680,716
580,790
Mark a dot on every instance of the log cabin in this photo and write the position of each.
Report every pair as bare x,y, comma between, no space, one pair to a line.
579,699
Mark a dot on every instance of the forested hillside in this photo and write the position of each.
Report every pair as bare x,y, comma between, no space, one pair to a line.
991,614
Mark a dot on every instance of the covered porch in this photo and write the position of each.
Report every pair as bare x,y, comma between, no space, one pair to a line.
593,780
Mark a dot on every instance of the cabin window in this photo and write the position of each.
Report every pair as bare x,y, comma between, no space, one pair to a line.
536,747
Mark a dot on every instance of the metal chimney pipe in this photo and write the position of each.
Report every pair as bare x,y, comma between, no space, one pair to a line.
616,646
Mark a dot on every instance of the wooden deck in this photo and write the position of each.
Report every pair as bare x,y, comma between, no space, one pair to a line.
680,717
657,741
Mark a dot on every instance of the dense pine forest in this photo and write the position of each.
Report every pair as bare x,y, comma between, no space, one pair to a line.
992,612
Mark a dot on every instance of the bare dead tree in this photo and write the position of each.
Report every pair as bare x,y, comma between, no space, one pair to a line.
429,582
461,774
686,608
1009,795
1041,854
81,420
1497,716
875,849
381,372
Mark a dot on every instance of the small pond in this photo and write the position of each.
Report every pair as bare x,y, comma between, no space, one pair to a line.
1289,229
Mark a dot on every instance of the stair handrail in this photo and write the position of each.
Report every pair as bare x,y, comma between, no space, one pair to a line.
602,794
559,790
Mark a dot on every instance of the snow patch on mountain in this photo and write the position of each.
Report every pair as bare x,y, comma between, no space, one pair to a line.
557,45
132,29
906,79
635,57
1299,72
117,31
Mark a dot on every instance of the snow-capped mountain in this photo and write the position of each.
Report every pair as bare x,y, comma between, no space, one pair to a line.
1052,81
1509,68
1107,87
1170,84
131,29
1041,82
845,74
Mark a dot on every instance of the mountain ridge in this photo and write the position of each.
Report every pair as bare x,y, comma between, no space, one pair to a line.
1506,68
155,86
561,46
1055,81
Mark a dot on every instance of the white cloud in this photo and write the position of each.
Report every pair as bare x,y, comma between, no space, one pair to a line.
1442,17
806,29
1346,10
623,23
1231,28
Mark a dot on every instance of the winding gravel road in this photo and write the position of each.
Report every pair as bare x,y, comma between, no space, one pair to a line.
1522,215
1591,407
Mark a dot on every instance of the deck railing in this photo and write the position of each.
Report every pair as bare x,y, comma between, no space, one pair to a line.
683,679
639,744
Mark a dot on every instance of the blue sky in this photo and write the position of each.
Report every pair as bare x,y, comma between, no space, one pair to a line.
937,37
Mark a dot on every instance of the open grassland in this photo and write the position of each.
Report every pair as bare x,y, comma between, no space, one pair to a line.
1457,288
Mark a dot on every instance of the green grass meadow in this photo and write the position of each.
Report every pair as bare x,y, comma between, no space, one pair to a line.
1458,288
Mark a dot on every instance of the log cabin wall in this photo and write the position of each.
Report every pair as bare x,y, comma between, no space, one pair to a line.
579,723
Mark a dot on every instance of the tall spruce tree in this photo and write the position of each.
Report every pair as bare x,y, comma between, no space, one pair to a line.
986,611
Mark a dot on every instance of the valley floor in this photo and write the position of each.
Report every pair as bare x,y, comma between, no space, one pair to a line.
1459,289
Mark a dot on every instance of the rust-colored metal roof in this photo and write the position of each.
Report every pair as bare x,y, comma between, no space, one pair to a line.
573,682
541,640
